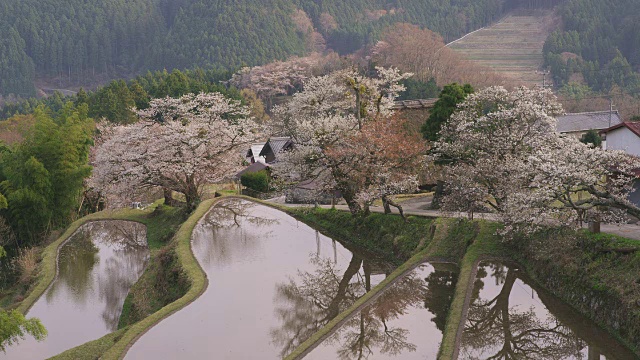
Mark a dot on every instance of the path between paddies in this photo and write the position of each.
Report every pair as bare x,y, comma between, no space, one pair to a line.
418,207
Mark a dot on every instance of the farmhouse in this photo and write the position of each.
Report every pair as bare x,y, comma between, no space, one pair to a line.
274,147
253,154
626,137
577,124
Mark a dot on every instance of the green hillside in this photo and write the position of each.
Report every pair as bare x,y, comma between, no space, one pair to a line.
600,41
76,41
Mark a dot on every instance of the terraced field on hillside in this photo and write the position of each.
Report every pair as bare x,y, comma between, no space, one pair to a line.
512,46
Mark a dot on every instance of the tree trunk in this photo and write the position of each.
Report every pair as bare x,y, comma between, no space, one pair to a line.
438,194
191,194
168,197
387,207
349,197
387,202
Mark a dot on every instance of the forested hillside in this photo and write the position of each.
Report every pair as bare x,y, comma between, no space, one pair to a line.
599,45
74,41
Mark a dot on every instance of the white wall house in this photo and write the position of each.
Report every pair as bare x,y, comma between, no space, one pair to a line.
624,136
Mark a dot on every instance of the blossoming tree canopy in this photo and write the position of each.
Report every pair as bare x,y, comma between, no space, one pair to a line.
179,144
334,123
506,156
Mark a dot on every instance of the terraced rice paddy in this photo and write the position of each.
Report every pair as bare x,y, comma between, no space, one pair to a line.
512,46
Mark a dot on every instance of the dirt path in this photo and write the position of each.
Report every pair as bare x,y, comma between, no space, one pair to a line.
420,207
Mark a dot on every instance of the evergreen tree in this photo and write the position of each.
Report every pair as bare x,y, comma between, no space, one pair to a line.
450,96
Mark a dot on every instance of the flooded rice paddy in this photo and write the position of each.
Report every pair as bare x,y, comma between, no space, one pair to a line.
274,282
510,318
96,268
406,322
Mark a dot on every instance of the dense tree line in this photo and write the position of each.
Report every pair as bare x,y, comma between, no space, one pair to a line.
77,40
601,41
42,178
115,100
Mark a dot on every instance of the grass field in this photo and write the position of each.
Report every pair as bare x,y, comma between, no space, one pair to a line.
513,46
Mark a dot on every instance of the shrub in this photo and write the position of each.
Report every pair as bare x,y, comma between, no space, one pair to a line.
26,263
258,181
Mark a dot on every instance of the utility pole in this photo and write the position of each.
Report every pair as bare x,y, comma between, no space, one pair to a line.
610,110
544,78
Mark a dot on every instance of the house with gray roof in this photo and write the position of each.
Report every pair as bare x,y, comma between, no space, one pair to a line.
253,154
626,137
274,147
577,124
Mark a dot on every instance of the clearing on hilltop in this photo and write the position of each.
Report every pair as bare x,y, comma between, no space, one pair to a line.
512,46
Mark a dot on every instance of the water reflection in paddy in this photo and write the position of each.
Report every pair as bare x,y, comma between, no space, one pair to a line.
508,319
273,282
96,269
405,322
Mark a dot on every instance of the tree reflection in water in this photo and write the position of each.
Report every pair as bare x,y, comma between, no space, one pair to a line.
128,242
496,330
106,258
75,263
309,303
223,238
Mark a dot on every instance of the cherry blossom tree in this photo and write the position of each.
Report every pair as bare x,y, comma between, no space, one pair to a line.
340,124
178,144
506,156
277,78
384,159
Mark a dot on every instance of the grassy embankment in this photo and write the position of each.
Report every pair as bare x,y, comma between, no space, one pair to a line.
409,244
47,266
597,274
456,240
484,246
172,280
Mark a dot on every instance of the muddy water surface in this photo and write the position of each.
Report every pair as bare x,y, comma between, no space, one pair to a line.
273,282
96,268
510,318
405,322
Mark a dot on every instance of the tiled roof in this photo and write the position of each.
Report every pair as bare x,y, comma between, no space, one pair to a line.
598,120
255,167
255,152
276,144
633,126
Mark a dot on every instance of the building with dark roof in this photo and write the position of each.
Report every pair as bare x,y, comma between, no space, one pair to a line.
253,154
274,147
253,168
577,124
624,136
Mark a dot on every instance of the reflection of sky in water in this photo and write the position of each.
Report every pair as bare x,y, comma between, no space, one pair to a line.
485,334
97,267
261,276
395,326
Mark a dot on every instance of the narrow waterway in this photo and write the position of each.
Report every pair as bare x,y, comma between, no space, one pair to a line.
273,282
96,268
406,322
510,318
